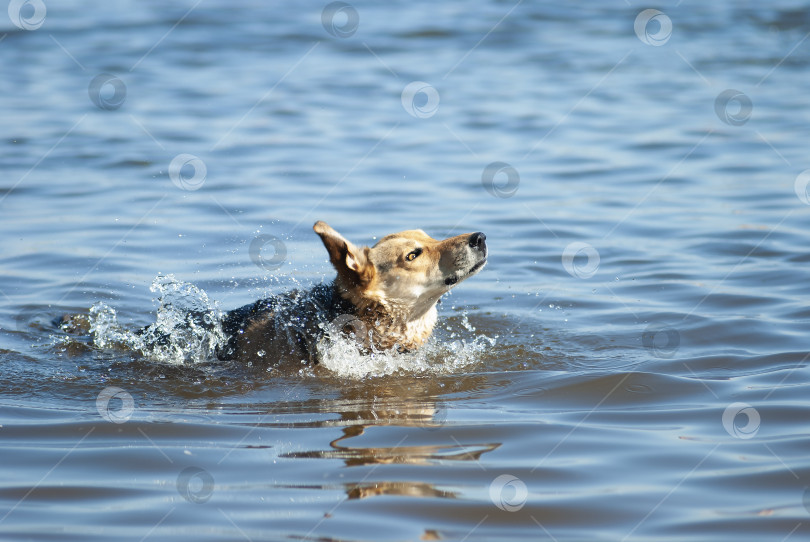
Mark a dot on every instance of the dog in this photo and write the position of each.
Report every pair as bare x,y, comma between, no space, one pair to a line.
385,296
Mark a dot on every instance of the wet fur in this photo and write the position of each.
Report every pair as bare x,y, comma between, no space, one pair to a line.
385,297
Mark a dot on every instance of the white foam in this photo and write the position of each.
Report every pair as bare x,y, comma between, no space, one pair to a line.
342,355
178,338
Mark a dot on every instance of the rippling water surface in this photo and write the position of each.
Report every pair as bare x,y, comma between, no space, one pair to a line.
631,364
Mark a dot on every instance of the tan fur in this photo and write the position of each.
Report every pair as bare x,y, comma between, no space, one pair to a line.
386,297
394,296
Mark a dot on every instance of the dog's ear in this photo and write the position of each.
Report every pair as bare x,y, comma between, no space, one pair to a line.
351,262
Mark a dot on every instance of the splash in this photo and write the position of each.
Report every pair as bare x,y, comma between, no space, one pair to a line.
186,330
342,355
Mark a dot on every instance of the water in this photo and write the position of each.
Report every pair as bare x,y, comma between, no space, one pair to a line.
631,364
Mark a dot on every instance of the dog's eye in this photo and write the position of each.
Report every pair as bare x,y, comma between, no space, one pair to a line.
413,254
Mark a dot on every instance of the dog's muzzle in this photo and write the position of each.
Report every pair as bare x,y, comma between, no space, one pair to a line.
478,243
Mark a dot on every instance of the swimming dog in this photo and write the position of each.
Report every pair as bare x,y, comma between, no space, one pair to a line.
384,295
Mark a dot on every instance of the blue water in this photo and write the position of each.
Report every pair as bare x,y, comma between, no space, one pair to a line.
631,364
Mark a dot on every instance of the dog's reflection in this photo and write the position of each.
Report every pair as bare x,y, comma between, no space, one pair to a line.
426,436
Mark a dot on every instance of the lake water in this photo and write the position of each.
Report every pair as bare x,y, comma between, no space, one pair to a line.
632,364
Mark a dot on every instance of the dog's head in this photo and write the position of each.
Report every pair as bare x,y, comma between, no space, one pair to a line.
408,270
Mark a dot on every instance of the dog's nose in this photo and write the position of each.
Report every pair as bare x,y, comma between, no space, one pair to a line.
478,240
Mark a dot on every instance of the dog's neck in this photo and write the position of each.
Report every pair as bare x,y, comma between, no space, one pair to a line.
390,324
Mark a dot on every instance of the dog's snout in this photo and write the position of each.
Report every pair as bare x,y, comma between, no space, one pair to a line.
479,241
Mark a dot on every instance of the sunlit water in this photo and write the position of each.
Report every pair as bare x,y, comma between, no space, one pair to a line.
632,364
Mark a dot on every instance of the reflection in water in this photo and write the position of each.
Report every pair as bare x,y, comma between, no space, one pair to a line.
363,408
406,455
405,489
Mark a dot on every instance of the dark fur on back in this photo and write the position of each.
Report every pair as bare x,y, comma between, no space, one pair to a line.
283,327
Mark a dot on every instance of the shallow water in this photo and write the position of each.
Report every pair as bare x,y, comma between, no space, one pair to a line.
631,364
